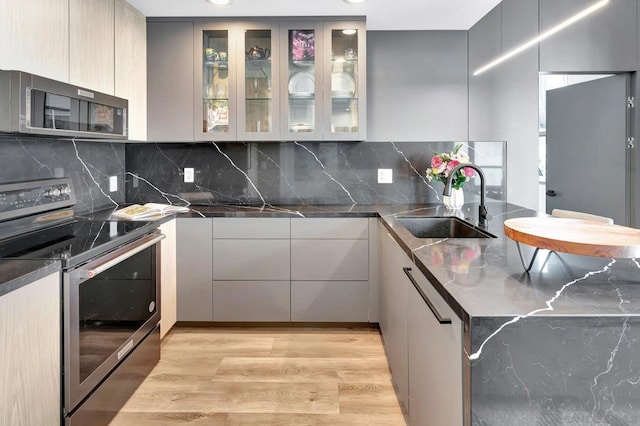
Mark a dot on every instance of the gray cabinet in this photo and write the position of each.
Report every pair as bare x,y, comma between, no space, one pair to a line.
330,269
251,269
244,259
194,269
214,80
407,73
323,79
604,41
273,269
251,228
313,260
170,81
30,340
329,301
425,356
203,84
243,301
354,228
435,359
394,288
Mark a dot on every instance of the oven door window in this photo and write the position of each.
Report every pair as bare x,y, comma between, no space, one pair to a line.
112,306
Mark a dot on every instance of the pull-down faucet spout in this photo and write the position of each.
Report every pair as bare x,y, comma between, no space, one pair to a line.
482,210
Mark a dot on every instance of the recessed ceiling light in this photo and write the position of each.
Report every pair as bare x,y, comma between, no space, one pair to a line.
349,31
220,2
354,1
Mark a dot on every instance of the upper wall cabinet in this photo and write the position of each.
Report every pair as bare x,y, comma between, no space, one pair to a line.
131,65
216,61
91,41
605,41
261,80
34,37
170,81
323,81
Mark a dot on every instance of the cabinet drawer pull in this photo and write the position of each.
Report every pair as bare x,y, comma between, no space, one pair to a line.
433,309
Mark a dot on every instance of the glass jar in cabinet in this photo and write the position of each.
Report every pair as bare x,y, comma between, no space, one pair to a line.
301,87
215,83
345,80
258,106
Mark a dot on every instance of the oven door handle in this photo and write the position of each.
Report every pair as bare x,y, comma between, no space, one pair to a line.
135,249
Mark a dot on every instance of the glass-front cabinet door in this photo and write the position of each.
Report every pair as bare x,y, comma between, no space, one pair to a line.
215,83
301,87
287,80
258,77
345,81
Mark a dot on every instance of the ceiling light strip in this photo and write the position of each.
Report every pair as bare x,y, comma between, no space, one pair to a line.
575,18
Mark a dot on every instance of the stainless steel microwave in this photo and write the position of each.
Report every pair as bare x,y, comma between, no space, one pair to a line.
40,106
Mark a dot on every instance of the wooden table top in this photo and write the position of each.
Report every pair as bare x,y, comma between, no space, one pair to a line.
575,236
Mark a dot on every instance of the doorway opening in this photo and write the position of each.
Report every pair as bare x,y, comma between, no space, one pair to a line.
583,163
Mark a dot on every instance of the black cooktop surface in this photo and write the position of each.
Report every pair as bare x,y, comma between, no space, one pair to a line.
75,242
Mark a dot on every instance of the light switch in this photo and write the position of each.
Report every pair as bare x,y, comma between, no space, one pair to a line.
113,183
188,174
385,175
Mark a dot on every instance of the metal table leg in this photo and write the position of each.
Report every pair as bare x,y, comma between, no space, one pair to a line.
533,258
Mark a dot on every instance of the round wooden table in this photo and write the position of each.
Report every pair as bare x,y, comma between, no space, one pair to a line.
574,236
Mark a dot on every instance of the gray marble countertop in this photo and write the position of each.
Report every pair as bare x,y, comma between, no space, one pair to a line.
16,273
484,277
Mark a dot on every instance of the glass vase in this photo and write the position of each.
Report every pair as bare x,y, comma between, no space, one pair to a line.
455,200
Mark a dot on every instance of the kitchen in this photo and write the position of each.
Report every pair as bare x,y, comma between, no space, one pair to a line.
442,103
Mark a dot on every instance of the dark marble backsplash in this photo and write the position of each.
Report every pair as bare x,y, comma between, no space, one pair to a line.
88,164
298,172
242,173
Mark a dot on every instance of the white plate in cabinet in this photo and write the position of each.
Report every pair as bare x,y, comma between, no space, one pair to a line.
252,228
330,301
316,260
247,260
251,301
354,228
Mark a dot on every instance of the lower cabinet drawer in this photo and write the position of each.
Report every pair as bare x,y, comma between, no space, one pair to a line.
259,260
249,301
330,301
318,260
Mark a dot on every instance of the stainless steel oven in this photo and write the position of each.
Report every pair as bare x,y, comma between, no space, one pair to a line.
111,304
110,292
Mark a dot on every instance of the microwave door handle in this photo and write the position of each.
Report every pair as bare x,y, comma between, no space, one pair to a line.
90,273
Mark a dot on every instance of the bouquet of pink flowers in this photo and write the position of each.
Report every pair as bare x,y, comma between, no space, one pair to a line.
443,163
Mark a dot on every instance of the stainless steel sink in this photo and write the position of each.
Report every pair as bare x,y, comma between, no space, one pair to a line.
441,227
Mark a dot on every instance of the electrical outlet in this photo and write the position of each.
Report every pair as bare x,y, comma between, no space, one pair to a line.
113,183
385,175
188,174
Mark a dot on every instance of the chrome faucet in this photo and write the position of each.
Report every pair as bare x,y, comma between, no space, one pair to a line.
482,210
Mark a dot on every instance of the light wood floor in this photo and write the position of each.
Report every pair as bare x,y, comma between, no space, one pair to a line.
267,376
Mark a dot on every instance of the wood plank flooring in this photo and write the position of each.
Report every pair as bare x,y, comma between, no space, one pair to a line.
267,376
